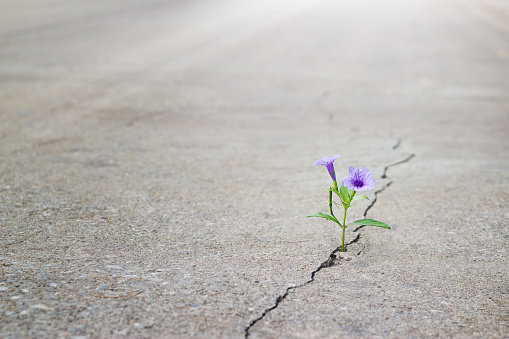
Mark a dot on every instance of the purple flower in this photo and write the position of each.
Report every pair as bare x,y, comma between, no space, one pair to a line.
329,163
359,180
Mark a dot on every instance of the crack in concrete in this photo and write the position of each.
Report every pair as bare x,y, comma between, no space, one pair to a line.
384,176
334,258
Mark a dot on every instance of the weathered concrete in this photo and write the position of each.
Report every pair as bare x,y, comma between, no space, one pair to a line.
157,163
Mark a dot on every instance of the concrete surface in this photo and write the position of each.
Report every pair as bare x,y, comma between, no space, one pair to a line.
156,166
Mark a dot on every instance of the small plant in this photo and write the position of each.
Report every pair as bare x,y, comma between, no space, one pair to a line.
358,180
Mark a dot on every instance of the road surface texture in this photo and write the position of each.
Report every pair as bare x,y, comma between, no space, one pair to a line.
157,165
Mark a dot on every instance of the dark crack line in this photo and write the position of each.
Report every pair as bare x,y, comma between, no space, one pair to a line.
334,258
396,145
384,176
280,298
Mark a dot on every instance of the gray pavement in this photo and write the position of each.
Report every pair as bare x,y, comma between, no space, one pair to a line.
157,164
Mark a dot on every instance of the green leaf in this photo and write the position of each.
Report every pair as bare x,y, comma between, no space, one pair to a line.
370,222
359,197
344,195
350,193
325,216
343,205
337,205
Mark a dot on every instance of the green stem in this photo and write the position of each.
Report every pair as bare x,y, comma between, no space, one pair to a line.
344,225
332,213
344,218
343,241
344,228
330,201
330,204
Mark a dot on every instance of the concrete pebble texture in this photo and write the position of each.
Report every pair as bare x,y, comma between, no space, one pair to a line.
157,165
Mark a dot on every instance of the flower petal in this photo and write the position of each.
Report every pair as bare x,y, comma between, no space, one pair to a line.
359,180
347,182
363,172
329,163
352,171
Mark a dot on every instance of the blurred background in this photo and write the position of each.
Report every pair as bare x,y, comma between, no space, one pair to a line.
328,59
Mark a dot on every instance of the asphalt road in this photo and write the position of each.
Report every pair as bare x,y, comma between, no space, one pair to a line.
157,165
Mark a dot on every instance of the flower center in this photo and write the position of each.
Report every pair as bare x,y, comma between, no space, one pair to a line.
358,183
